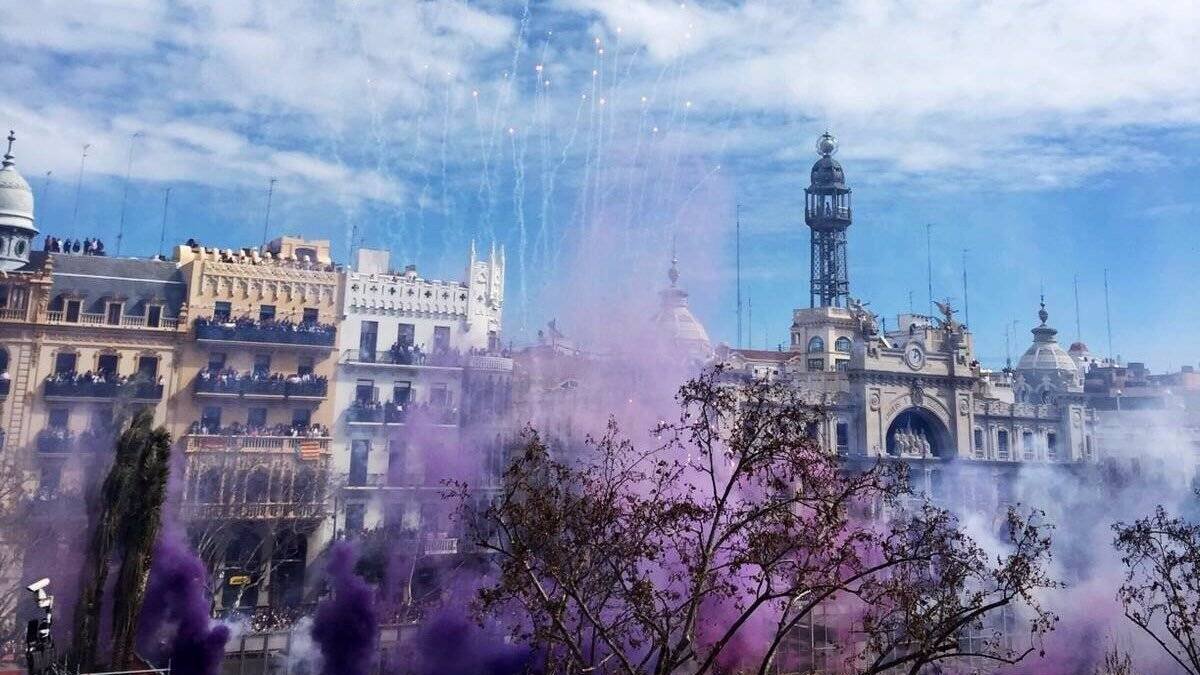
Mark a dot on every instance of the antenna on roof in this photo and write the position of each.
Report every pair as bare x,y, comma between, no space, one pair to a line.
45,191
79,185
267,219
125,191
749,317
966,301
738,258
1107,315
162,234
929,263
1079,332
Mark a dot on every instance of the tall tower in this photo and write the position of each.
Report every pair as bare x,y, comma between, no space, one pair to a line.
827,213
16,214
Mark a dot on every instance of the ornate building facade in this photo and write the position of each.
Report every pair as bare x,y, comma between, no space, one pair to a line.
420,380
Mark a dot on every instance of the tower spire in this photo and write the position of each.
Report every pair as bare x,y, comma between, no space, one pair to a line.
8,156
827,214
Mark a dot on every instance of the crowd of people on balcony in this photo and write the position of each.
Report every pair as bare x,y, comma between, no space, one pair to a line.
203,428
231,379
407,354
280,325
77,246
400,412
98,377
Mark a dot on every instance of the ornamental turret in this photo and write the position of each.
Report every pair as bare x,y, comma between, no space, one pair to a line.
827,214
16,214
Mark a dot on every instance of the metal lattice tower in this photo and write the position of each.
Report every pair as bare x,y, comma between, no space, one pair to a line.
827,213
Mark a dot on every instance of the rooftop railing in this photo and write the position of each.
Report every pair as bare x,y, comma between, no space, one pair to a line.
99,319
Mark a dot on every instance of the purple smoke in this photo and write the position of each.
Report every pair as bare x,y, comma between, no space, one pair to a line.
175,618
450,642
345,626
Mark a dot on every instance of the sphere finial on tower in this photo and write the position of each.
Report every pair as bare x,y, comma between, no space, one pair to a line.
827,144
1042,313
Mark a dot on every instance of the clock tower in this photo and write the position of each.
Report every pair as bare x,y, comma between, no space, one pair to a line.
827,214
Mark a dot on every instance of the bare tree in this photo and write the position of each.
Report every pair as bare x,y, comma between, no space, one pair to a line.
1161,593
706,551
13,542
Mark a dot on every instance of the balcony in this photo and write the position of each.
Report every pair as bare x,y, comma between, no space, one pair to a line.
262,386
20,314
142,322
77,388
55,441
397,357
303,447
374,413
244,511
308,335
440,545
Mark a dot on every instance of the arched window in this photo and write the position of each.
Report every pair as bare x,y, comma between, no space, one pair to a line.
816,345
257,486
842,345
209,489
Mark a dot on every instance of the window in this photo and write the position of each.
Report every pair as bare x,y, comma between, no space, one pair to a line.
266,313
977,440
305,253
841,365
816,365
406,334
73,309
843,438
153,316
1028,449
262,364
216,361
310,315
112,313
148,367
1051,446
439,396
441,338
256,418
301,417
401,391
304,365
397,472
364,391
222,311
360,452
368,338
106,364
59,418
64,363
1002,444
493,341
842,345
355,517
816,345
210,418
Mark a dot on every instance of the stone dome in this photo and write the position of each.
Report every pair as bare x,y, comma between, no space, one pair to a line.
16,197
1045,355
676,323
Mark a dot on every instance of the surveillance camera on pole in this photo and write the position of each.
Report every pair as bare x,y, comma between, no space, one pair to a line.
39,645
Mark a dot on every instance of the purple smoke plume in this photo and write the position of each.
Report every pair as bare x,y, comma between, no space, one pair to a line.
450,642
175,618
345,626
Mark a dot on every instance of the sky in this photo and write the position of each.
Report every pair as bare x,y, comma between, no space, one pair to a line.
1041,142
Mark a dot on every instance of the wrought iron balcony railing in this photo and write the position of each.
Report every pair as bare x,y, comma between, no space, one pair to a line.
302,335
262,387
90,389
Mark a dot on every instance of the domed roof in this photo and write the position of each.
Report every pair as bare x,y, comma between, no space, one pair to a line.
676,323
1045,354
1078,348
16,198
827,172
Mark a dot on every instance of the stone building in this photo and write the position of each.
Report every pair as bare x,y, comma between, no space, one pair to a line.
253,412
420,380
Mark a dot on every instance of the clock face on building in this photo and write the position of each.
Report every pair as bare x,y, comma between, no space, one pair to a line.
914,356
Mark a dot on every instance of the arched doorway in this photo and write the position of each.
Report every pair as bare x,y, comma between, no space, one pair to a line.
917,433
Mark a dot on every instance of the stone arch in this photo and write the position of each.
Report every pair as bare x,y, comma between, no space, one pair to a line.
918,432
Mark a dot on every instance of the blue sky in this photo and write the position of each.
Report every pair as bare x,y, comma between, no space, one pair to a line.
1048,139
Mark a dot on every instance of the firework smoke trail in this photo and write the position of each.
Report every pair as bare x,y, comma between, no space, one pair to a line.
451,229
519,210
548,192
382,169
345,626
